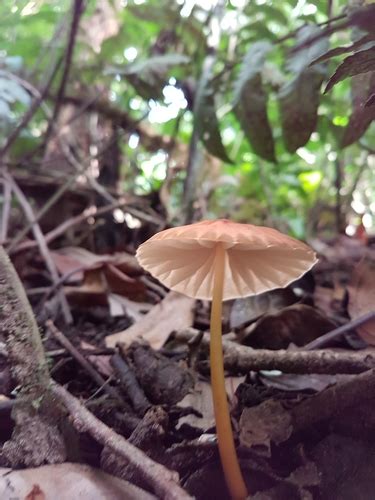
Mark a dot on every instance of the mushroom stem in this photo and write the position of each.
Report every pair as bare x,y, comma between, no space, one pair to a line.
227,450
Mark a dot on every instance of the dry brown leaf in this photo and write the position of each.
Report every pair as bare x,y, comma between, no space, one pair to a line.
362,296
200,398
99,275
66,482
173,313
297,324
251,308
264,424
69,258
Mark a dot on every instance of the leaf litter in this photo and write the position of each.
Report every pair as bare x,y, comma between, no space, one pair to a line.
121,312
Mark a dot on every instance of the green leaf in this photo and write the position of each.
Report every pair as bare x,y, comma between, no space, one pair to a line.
205,120
299,101
252,65
299,98
360,62
250,102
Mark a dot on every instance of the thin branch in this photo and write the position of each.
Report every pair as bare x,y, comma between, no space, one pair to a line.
43,247
50,202
338,332
77,10
30,112
96,377
164,481
242,359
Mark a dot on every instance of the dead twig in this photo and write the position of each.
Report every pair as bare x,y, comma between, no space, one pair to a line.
98,379
7,196
43,247
243,359
164,481
130,384
338,332
77,11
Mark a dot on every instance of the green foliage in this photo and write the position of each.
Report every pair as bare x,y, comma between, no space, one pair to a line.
250,101
252,97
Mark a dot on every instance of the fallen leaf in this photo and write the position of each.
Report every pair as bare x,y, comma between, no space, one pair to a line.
99,275
66,482
119,306
292,382
362,296
251,308
264,424
297,324
200,399
173,313
346,467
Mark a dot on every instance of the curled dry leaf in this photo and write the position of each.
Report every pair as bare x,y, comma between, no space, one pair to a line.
173,313
65,482
264,424
98,275
297,324
362,295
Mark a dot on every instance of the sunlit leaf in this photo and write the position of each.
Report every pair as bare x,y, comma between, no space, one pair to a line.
299,98
250,102
205,119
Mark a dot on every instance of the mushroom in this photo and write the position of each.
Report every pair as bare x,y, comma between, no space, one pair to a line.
219,260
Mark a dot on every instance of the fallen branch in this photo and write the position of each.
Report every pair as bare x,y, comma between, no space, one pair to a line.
242,359
35,438
43,247
163,481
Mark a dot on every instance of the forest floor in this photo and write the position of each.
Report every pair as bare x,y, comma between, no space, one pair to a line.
134,356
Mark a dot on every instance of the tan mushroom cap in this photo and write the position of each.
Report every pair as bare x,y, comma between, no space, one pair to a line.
257,258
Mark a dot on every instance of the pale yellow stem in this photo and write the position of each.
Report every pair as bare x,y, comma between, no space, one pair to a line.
231,467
